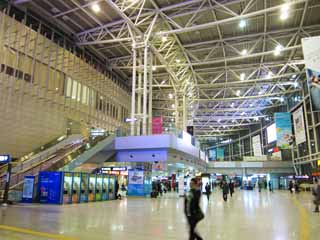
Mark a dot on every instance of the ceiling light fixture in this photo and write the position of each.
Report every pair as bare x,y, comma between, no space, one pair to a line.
242,23
269,75
154,68
96,8
238,93
164,38
173,106
178,60
170,95
244,52
284,12
242,76
278,50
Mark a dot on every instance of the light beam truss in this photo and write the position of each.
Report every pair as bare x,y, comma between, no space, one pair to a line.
200,71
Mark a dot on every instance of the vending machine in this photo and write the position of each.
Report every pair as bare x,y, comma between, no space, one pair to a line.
76,188
84,187
105,186
92,187
67,188
99,188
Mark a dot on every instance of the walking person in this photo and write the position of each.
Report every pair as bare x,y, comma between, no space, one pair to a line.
225,190
316,194
270,186
260,185
208,190
192,209
291,187
231,188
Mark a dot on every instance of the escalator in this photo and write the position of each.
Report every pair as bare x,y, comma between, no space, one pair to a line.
42,153
65,159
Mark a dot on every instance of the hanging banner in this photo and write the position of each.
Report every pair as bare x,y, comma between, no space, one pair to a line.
220,154
298,123
256,146
284,129
311,52
212,154
157,125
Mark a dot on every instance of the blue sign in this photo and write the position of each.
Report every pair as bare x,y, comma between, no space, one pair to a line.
27,194
5,158
284,129
213,154
50,187
220,154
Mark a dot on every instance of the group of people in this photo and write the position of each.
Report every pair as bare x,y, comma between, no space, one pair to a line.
225,187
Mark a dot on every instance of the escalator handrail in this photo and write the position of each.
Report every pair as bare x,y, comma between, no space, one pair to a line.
77,146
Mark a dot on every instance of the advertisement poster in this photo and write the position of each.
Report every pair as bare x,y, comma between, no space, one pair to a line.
135,177
49,187
220,154
284,129
298,123
157,125
213,154
311,52
256,145
27,193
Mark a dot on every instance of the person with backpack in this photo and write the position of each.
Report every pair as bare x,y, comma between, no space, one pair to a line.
192,209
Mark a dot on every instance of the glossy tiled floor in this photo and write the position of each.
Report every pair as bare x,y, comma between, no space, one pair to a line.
248,215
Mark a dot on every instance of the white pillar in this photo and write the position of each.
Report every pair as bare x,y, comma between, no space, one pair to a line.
150,97
133,96
145,91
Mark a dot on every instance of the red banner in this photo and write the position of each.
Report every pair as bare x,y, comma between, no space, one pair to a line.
157,124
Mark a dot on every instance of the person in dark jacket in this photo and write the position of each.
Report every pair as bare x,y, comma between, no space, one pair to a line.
225,190
316,194
192,209
291,187
231,188
208,190
270,186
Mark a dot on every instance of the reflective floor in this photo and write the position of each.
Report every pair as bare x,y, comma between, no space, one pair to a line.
248,215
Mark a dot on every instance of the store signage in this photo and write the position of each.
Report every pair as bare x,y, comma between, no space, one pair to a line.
97,132
116,173
130,120
318,163
114,169
5,158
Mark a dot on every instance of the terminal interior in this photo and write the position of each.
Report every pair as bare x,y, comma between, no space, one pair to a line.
114,113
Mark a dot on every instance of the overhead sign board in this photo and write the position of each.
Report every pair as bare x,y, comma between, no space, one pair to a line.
5,158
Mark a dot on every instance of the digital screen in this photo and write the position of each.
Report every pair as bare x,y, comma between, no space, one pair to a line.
272,133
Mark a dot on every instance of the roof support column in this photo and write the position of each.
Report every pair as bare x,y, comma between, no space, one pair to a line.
133,96
145,91
150,97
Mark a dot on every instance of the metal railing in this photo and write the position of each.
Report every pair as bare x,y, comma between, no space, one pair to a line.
33,170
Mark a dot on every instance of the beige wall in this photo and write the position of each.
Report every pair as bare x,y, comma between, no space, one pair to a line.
35,112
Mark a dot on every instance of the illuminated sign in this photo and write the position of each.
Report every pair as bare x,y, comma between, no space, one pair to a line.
114,169
5,158
318,163
130,120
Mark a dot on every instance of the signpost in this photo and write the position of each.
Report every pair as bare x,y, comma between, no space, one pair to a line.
6,159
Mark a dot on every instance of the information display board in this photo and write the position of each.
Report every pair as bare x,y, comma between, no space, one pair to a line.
27,193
